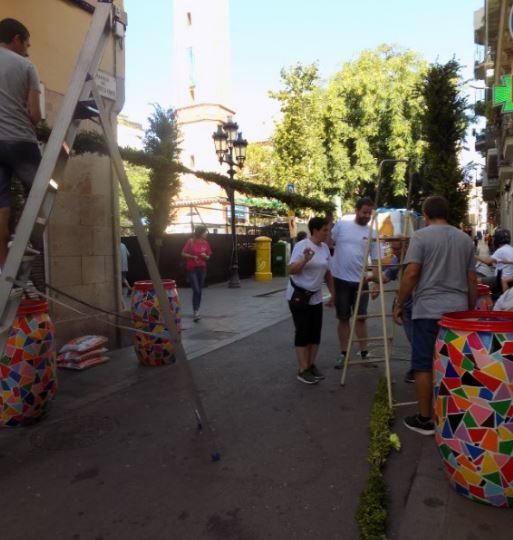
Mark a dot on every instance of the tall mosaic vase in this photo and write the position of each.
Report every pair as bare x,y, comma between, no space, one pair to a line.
484,298
28,376
146,316
473,390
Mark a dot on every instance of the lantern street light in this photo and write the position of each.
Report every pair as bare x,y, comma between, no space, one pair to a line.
231,149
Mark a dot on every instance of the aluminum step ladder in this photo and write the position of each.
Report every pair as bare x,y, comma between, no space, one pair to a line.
375,246
83,101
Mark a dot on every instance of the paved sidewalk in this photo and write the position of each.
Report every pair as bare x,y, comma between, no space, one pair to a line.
228,315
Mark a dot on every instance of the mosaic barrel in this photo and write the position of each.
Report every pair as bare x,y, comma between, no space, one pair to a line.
473,390
146,316
484,298
28,373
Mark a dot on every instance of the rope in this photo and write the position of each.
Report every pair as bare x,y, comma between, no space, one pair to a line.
25,286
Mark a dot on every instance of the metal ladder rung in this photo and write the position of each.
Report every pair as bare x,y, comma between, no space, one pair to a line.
373,316
384,291
390,238
365,362
386,265
379,338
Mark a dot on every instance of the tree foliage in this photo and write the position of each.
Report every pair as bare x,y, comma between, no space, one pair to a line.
373,112
139,178
444,124
162,139
298,145
331,138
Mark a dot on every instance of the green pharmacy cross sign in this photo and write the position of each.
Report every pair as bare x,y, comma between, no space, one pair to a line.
503,94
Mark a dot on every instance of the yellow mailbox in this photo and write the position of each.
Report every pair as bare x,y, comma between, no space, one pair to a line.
263,259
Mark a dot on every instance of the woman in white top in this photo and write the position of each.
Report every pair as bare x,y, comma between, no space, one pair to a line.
308,269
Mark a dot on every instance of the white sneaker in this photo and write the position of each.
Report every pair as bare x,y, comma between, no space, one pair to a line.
196,317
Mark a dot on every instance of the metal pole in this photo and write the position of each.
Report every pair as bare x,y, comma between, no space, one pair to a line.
234,282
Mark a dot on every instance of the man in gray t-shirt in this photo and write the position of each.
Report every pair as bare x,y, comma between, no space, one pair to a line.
19,113
441,275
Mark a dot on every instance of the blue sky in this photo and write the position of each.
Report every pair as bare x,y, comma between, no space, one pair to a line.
267,35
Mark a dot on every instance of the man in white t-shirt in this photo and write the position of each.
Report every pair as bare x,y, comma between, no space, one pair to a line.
502,258
347,264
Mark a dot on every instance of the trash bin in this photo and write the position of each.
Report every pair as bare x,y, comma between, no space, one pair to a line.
279,259
484,298
473,390
28,373
145,309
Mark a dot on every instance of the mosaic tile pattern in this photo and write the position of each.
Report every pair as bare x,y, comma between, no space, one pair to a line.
28,379
473,378
146,316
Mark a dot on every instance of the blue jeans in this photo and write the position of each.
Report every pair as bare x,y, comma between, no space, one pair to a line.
196,278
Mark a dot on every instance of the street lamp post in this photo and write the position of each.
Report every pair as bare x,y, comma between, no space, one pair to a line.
231,149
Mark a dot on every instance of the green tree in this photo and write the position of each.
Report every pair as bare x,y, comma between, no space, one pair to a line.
444,124
161,139
259,164
373,112
298,146
139,178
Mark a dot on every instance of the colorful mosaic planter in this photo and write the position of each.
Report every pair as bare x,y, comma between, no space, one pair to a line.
146,316
473,389
28,375
484,298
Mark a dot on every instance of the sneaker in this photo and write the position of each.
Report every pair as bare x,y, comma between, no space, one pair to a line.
416,424
316,373
196,317
339,362
306,377
410,376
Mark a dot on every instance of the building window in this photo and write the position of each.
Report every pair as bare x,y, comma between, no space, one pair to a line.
190,57
189,18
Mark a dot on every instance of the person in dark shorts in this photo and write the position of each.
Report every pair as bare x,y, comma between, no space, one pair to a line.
350,238
441,275
19,112
308,269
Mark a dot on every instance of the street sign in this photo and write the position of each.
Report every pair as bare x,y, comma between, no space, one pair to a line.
106,84
290,188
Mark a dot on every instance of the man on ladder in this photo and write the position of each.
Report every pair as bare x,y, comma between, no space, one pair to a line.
19,113
347,265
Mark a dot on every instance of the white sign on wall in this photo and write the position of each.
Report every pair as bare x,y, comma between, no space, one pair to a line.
106,84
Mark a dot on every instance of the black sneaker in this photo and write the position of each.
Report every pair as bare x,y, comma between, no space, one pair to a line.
316,373
410,376
306,377
416,424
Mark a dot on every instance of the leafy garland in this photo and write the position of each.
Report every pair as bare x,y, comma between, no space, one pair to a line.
92,142
371,515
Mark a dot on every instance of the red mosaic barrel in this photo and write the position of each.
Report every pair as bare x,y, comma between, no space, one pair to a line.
484,298
473,389
152,350
28,376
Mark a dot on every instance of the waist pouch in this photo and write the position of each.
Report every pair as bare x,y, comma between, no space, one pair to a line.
301,296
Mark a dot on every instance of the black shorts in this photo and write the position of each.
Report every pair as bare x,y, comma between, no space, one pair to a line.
307,322
20,159
345,298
